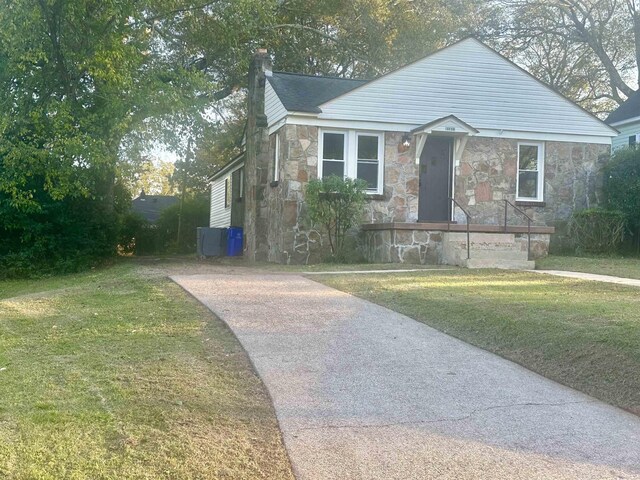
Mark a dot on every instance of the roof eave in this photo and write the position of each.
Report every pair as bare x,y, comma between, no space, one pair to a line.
624,121
228,167
307,113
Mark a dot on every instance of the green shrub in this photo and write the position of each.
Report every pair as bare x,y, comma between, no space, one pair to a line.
61,236
622,187
148,240
131,225
194,214
597,230
140,237
336,205
622,184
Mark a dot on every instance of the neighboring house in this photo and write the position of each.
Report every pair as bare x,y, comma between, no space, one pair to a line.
151,206
626,118
463,123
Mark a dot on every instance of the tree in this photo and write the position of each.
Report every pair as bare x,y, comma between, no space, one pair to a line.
77,76
367,38
217,140
587,49
152,176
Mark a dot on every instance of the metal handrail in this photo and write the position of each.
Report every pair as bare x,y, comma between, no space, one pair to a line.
507,203
455,203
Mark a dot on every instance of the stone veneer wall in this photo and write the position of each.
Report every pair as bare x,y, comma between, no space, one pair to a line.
400,199
485,176
290,237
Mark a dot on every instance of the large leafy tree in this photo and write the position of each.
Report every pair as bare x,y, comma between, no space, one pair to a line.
367,38
587,49
77,76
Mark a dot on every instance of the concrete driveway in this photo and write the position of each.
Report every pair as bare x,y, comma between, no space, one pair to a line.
362,392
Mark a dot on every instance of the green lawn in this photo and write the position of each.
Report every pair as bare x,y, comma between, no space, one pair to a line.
583,334
116,374
616,266
267,267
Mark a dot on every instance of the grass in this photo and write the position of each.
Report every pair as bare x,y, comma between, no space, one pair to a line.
582,334
241,262
116,374
616,266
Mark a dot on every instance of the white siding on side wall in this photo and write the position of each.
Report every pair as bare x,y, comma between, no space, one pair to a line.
219,216
626,131
475,84
273,107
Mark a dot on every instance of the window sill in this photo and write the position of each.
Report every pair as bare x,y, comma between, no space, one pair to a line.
530,203
375,196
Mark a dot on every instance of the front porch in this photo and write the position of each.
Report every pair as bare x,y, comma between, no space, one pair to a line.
488,246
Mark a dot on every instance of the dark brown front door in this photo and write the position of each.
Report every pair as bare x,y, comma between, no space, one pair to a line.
436,169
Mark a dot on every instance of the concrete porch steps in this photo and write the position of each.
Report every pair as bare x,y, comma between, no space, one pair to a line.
488,250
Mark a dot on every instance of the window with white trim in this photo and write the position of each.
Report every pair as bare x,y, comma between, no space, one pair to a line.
368,157
333,154
353,154
634,140
530,181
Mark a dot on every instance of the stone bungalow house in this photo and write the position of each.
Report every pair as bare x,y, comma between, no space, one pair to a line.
626,118
453,143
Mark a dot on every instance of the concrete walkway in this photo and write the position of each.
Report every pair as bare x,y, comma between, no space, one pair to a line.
362,392
591,276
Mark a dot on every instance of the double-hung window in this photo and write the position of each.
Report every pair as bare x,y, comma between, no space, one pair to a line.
334,149
530,181
368,158
353,154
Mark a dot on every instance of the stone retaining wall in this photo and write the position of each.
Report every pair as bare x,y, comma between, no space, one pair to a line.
402,246
426,246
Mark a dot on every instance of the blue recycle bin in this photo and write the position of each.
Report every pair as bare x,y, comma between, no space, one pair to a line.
234,241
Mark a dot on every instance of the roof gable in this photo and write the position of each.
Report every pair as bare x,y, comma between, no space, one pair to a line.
303,93
449,124
628,110
471,81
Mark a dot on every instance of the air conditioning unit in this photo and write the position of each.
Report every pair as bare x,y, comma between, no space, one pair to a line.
212,242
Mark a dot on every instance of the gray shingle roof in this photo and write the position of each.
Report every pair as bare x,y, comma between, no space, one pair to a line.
151,206
304,93
629,109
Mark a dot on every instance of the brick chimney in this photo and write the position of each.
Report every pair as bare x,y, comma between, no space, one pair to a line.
257,159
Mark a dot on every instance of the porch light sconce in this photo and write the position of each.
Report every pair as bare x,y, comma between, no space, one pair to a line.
405,143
